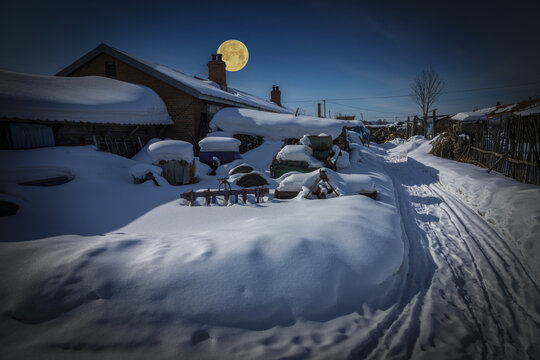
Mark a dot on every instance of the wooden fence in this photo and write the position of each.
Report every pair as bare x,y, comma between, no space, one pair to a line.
509,146
125,146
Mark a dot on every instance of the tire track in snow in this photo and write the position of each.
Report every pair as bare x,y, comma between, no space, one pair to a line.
403,322
481,299
487,252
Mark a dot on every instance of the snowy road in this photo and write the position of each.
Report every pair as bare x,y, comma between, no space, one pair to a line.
444,265
466,292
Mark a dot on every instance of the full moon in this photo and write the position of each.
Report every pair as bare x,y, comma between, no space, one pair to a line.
235,54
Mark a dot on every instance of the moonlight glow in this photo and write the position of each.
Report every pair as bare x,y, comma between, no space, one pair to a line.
235,54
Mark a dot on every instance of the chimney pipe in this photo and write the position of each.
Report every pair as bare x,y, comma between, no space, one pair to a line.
318,109
275,95
217,70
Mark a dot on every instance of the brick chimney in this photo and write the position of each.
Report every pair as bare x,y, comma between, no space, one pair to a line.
216,70
275,95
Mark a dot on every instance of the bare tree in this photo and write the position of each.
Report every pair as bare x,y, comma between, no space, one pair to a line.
426,89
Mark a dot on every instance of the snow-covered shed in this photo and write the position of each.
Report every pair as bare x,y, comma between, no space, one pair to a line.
469,121
191,101
38,110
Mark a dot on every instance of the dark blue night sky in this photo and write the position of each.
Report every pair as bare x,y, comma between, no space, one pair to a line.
312,50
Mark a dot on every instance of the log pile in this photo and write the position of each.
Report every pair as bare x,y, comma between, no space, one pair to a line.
248,142
382,135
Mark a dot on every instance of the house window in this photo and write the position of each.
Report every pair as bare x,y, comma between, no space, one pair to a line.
110,69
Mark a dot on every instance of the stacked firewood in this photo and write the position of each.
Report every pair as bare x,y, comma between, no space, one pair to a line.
248,142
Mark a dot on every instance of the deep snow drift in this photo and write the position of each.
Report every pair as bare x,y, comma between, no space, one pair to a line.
118,263
443,265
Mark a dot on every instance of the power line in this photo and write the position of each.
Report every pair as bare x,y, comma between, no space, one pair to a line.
366,109
408,95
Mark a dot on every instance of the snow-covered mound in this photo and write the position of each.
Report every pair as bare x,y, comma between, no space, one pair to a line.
275,126
143,156
298,153
342,161
117,262
24,174
345,184
170,150
93,99
140,170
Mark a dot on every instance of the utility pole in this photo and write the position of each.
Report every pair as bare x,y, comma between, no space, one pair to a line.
434,120
324,101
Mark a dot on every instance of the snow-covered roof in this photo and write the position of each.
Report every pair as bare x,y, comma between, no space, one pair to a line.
487,110
275,126
506,108
529,111
525,107
199,88
469,116
92,99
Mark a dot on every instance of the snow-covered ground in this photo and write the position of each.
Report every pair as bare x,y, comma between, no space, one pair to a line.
443,264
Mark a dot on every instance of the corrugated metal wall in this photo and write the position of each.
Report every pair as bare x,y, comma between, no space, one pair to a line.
25,136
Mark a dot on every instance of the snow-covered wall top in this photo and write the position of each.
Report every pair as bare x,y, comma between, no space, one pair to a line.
469,116
92,99
275,126
218,143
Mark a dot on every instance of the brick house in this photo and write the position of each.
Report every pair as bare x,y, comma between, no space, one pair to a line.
190,101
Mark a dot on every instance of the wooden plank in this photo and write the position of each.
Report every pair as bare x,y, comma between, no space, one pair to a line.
498,154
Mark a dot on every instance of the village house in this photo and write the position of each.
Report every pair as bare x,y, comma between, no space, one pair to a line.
116,116
191,101
499,112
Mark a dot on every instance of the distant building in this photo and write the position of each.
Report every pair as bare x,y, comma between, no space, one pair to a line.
346,117
524,107
191,101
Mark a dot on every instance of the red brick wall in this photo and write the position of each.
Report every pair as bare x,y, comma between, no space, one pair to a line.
183,108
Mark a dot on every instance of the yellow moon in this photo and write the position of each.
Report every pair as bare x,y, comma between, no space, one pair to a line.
235,54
